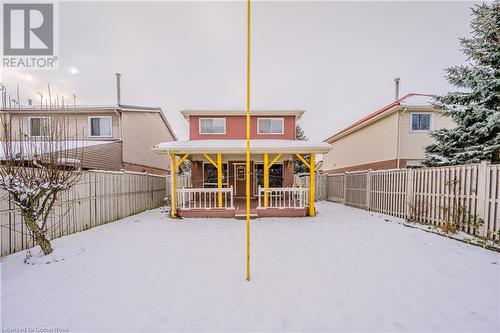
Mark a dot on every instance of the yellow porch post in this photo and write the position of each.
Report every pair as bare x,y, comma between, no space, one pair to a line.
218,166
312,175
266,177
267,166
173,186
174,165
312,186
219,179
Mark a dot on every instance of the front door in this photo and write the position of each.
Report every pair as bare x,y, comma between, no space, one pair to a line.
239,179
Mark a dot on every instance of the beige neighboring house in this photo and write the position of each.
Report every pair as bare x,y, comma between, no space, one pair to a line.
394,136
117,137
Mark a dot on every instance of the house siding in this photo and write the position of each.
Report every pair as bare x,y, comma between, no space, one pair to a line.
141,131
236,128
76,124
412,144
92,157
374,143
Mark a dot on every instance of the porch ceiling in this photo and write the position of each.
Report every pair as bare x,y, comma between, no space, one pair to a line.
239,147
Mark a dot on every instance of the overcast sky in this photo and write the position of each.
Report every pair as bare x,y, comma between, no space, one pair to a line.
336,60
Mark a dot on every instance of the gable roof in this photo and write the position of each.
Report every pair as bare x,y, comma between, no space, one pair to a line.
241,112
411,99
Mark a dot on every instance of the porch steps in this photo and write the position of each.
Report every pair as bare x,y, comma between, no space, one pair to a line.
244,216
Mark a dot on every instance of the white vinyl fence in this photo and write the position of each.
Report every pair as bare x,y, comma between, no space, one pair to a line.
98,198
182,181
321,185
428,195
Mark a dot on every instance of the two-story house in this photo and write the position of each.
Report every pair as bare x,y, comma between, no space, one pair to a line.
117,137
395,136
217,151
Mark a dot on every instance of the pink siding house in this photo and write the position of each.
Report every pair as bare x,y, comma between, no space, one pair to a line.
216,150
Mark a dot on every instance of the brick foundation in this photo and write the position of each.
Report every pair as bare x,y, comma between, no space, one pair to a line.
143,168
201,213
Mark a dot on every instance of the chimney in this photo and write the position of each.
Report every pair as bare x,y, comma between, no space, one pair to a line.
396,87
118,89
30,102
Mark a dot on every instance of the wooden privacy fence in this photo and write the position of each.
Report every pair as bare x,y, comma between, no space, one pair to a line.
428,195
98,198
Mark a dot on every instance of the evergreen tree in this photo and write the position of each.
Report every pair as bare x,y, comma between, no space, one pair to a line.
299,135
475,108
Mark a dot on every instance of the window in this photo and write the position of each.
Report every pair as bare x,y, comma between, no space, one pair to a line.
212,125
210,175
39,126
420,122
100,126
270,125
275,176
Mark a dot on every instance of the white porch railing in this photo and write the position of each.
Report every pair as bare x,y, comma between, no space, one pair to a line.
284,197
204,198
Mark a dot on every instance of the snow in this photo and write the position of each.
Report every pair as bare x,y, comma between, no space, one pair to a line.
239,146
344,270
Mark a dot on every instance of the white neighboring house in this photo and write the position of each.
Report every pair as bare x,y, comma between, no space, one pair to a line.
394,136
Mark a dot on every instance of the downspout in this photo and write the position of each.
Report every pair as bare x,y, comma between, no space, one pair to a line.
399,138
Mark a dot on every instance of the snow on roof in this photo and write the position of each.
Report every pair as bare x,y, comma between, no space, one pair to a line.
239,112
40,146
411,99
239,146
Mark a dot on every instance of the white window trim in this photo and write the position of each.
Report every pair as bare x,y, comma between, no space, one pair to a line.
199,125
421,131
29,126
203,174
282,126
100,117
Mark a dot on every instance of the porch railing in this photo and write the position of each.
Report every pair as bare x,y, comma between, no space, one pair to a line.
284,197
204,198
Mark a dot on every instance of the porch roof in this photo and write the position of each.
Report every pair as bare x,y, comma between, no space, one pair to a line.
239,146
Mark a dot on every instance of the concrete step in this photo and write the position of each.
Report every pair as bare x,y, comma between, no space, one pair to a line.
244,216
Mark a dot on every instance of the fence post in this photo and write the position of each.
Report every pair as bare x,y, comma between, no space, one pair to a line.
368,189
410,179
344,200
482,194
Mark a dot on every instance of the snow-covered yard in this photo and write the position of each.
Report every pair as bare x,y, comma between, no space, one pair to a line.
345,270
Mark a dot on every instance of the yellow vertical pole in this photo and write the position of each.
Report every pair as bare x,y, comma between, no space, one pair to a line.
173,186
266,178
248,143
219,179
312,184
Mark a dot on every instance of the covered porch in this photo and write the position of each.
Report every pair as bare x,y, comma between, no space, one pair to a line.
219,172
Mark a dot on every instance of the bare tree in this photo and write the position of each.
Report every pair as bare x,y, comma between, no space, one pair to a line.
36,169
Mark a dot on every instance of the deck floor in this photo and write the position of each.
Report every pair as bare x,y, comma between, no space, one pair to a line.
240,206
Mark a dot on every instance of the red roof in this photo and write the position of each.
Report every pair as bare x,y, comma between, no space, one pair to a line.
376,113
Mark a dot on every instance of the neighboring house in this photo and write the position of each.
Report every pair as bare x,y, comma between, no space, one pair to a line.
117,137
216,149
394,136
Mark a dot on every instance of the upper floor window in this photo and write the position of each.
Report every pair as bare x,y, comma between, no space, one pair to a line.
420,122
212,125
39,126
100,126
270,125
